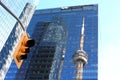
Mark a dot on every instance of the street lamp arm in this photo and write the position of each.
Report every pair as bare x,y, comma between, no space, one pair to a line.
9,11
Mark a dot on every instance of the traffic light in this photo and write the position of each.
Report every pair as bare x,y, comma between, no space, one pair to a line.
22,49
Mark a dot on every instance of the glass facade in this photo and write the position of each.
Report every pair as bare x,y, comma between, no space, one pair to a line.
10,32
57,35
68,20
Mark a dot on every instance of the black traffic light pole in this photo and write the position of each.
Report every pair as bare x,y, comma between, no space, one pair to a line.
9,11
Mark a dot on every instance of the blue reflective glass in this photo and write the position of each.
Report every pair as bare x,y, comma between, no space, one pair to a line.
71,20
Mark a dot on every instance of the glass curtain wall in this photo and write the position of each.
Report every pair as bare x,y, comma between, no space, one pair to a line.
9,33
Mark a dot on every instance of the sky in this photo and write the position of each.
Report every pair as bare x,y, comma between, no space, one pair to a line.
109,39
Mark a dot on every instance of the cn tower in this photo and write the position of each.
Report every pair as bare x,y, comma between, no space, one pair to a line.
80,58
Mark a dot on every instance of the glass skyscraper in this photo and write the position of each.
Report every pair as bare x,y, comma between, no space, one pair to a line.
57,35
11,31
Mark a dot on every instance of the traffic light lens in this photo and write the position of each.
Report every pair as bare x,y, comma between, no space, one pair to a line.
30,43
27,50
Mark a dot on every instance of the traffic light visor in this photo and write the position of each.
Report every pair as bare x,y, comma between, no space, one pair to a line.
21,57
30,43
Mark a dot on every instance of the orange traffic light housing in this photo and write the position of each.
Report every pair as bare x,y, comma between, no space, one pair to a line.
22,49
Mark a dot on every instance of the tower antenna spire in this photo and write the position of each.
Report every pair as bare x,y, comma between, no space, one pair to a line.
82,35
80,57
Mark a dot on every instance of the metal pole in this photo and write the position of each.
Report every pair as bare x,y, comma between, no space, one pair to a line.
9,11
